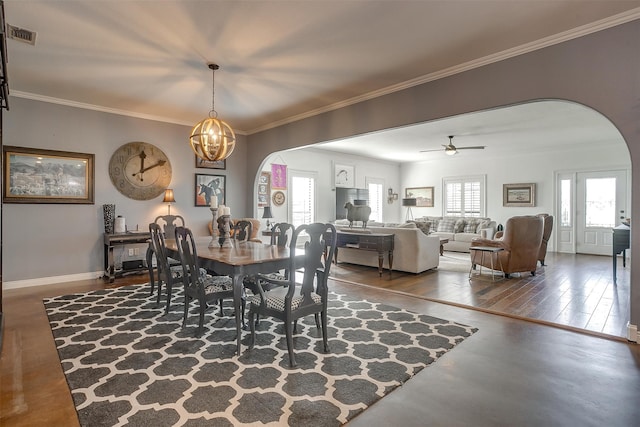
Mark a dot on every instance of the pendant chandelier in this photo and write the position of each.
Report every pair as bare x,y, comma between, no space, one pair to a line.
212,139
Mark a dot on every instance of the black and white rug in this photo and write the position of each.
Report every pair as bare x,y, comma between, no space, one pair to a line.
128,364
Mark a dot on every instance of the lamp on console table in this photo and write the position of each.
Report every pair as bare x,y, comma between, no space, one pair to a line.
168,198
266,214
408,203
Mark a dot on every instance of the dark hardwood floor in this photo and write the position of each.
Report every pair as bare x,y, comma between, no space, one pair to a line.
511,372
574,291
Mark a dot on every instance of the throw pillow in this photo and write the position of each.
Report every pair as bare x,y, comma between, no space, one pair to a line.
471,225
424,226
482,224
459,226
447,225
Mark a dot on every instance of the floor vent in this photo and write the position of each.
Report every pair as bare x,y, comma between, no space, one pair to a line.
22,35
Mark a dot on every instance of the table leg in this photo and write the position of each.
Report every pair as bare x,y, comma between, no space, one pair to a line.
237,303
112,267
380,262
150,267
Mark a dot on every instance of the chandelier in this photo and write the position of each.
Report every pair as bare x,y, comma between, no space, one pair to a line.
212,139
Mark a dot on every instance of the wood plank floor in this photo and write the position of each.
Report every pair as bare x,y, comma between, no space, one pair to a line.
511,372
576,291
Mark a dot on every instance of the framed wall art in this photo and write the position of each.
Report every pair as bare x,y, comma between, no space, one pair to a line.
264,189
33,175
344,175
208,164
423,196
210,186
519,195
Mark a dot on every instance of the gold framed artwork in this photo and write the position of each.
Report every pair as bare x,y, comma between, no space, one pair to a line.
423,196
34,175
519,195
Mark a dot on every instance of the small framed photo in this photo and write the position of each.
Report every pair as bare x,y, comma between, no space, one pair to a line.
33,175
264,189
344,175
519,195
423,196
208,164
208,187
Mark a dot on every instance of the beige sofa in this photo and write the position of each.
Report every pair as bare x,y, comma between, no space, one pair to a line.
459,230
414,251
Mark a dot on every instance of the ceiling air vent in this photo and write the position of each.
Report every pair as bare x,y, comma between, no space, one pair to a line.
22,35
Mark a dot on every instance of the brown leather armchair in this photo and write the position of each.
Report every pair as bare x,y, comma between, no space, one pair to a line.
520,240
546,234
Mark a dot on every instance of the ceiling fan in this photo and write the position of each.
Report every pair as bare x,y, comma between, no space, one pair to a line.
451,149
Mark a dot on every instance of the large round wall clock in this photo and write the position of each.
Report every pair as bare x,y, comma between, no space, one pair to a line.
140,171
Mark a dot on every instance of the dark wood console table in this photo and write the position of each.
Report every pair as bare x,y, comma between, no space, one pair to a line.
120,239
621,242
380,243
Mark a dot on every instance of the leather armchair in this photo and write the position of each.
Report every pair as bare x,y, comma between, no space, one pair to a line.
520,240
546,234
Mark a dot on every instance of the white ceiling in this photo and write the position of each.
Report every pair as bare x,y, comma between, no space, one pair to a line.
283,60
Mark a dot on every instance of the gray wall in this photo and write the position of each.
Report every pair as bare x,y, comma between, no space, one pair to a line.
52,243
601,71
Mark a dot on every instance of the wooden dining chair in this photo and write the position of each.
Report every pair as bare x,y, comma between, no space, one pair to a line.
168,273
202,287
310,296
242,230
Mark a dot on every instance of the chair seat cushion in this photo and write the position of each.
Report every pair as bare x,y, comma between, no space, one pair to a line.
276,302
213,284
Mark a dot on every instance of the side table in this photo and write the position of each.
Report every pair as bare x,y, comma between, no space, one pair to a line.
493,252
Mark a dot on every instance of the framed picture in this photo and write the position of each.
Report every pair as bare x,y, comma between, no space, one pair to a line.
35,175
264,189
344,175
278,176
208,164
208,187
519,195
423,196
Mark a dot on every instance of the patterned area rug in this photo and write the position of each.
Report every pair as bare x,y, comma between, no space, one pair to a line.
128,364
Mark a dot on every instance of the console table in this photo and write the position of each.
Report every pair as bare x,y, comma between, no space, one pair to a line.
112,240
376,242
621,242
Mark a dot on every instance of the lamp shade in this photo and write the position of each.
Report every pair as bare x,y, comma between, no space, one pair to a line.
410,202
168,196
267,212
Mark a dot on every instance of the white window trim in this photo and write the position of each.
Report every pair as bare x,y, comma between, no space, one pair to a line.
377,181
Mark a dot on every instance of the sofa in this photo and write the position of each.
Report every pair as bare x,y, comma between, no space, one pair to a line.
414,251
459,230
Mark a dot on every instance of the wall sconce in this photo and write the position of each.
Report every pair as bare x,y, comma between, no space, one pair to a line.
391,196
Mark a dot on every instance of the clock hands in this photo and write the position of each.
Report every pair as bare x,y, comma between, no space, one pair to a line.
143,169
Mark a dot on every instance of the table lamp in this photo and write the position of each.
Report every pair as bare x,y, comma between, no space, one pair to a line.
168,198
267,214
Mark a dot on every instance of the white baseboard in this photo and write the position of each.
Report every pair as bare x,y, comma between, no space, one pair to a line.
16,284
632,333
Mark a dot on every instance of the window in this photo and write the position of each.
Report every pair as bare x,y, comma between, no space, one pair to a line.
566,214
600,203
303,197
376,198
464,196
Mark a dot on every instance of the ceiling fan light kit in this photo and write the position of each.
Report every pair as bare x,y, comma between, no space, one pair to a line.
212,139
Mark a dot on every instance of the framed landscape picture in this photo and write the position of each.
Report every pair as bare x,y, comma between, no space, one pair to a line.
208,187
519,195
218,164
34,175
423,196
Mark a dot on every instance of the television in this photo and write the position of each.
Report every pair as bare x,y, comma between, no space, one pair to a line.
357,196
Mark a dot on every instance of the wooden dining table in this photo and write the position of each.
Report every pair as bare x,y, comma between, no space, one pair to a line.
240,260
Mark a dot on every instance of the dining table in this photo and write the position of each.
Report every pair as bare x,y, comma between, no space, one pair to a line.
243,258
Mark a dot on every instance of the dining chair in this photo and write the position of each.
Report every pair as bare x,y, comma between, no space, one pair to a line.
301,299
168,273
202,287
169,227
281,234
242,230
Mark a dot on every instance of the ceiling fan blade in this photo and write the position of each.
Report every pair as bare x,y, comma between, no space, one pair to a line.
428,151
477,147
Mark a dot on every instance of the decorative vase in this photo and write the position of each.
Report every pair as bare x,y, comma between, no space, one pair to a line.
109,212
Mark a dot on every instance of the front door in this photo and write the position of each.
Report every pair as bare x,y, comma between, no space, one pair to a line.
601,204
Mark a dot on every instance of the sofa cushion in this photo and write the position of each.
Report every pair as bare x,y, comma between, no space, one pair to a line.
471,225
408,225
447,225
465,237
459,226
